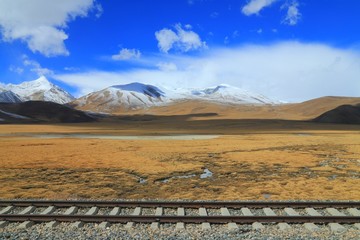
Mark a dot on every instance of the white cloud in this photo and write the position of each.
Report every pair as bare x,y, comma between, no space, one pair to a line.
98,10
214,15
167,66
289,71
41,23
166,39
255,6
235,34
17,70
181,40
187,26
71,69
191,2
126,54
36,67
293,14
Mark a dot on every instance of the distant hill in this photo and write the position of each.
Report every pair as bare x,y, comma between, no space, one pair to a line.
39,111
314,107
346,114
295,111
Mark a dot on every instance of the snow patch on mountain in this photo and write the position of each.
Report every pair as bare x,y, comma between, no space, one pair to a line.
40,90
228,94
130,96
9,97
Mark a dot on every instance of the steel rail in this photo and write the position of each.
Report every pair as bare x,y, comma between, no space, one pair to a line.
175,219
185,204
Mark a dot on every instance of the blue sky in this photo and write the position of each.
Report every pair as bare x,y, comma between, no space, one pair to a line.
290,50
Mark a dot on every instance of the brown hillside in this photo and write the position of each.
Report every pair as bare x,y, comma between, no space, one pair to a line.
296,111
315,107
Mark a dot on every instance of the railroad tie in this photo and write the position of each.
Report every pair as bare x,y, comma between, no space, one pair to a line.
180,225
69,211
159,211
231,225
115,211
312,212
335,227
308,226
27,210
270,212
5,211
255,225
204,225
136,212
3,224
356,213
92,211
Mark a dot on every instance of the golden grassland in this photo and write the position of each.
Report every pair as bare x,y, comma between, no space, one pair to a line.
250,160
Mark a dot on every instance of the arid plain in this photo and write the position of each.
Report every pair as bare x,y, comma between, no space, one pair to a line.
260,159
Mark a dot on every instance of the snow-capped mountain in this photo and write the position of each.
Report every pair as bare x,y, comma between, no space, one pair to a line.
40,89
9,97
228,94
122,97
139,96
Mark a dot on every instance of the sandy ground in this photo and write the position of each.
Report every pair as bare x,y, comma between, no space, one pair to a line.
249,160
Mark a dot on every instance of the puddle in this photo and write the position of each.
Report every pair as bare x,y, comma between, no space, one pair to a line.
207,173
332,177
142,180
95,136
267,195
166,180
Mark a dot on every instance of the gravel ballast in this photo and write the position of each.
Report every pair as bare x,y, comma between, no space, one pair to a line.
167,231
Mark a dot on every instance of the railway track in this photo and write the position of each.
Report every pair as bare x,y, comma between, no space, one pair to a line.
312,215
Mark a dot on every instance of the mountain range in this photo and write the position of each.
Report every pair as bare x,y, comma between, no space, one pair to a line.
135,96
224,101
131,96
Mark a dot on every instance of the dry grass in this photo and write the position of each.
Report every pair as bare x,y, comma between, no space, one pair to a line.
252,160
